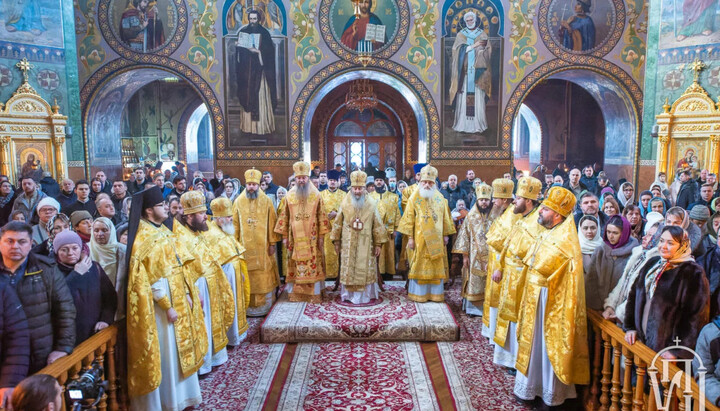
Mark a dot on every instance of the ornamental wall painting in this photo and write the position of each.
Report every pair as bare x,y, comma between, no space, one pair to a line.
581,25
472,75
372,32
686,23
35,22
256,93
143,26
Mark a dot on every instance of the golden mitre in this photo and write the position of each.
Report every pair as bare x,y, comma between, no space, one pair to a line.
529,187
502,188
358,178
301,168
221,207
560,200
193,202
428,173
252,176
483,191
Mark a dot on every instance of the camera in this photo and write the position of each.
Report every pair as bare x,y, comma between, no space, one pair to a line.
89,385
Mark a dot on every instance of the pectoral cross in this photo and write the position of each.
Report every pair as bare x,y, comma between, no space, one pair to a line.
302,216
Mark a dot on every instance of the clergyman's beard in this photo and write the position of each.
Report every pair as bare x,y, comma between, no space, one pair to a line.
358,201
496,210
302,191
484,210
426,192
228,228
194,225
252,195
380,189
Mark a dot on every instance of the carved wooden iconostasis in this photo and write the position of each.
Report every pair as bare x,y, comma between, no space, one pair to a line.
689,131
32,134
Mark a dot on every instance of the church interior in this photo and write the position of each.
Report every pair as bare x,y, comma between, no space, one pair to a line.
398,93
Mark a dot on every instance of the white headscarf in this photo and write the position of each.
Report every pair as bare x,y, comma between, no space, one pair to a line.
106,255
621,195
589,246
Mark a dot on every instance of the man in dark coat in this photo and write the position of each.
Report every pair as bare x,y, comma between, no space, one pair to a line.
49,186
67,196
43,293
688,190
453,192
14,341
710,262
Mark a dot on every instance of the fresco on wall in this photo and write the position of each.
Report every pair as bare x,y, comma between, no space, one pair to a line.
581,25
471,82
32,22
141,25
255,86
373,31
271,15
689,23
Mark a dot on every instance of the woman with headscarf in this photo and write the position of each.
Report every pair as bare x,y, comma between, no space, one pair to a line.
670,298
680,217
93,293
608,261
107,251
614,306
626,194
232,189
58,223
590,237
657,205
710,239
644,201
634,217
279,195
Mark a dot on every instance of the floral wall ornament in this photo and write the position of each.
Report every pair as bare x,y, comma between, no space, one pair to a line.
523,38
202,38
422,52
633,52
90,54
306,38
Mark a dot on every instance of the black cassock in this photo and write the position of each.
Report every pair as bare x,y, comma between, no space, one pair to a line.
249,71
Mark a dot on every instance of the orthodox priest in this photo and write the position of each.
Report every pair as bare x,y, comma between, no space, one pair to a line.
471,243
215,290
332,197
552,332
303,225
389,210
405,253
512,275
255,73
358,235
165,328
470,80
428,225
502,200
229,254
254,219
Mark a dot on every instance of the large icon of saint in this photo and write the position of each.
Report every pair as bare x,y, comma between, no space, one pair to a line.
578,32
140,27
470,76
255,72
355,29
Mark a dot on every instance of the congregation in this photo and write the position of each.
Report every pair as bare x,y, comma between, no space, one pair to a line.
187,264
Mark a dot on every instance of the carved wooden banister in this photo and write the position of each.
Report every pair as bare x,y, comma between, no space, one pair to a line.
100,346
608,346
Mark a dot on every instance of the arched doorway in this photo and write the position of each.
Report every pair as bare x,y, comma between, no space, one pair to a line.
145,115
583,116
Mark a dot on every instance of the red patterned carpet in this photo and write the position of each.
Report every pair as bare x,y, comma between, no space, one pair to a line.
364,375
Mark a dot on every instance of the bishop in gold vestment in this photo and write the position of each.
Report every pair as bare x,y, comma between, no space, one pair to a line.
471,243
332,197
552,332
502,200
387,206
358,234
215,290
405,253
517,245
229,254
254,218
427,224
303,225
165,327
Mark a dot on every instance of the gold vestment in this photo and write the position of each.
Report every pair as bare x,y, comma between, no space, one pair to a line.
495,238
387,206
405,253
555,262
157,254
331,202
254,222
471,241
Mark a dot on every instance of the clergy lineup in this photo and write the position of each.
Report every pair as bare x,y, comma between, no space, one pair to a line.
192,286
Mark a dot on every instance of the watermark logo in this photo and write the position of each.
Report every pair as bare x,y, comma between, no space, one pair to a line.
673,381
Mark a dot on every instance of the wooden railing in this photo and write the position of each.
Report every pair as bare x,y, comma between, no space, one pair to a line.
609,390
100,347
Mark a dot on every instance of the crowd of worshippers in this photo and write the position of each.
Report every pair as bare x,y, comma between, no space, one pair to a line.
206,256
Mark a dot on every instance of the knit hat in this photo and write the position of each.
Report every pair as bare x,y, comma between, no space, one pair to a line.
652,218
700,213
67,237
48,201
78,216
